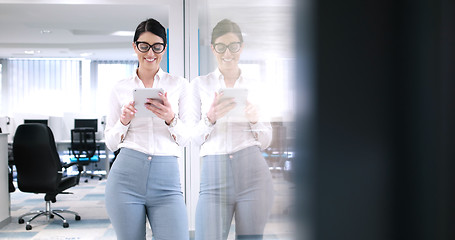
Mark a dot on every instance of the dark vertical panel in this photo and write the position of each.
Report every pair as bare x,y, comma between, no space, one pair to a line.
418,156
382,148
423,174
447,50
354,76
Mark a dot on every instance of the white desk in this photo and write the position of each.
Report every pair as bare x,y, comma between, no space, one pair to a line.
5,213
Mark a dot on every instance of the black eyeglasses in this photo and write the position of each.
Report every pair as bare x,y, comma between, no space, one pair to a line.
233,47
145,47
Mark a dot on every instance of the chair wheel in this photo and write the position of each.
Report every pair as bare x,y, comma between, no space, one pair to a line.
65,225
28,227
51,215
78,217
21,221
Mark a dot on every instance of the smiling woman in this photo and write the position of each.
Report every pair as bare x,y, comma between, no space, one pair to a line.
144,181
148,37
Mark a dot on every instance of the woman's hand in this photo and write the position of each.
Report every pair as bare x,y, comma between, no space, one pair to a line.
128,113
219,109
251,113
161,108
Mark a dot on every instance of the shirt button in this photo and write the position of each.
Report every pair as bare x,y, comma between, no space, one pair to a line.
149,158
231,157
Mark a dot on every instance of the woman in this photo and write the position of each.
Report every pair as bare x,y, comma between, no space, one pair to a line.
235,179
144,180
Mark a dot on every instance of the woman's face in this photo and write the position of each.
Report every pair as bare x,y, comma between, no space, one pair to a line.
232,47
149,60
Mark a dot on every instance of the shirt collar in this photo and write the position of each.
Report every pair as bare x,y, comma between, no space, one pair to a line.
220,77
218,74
159,75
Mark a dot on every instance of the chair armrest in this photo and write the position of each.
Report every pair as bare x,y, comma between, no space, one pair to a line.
68,165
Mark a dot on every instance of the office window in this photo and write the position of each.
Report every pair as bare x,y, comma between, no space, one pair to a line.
276,77
56,86
42,86
108,73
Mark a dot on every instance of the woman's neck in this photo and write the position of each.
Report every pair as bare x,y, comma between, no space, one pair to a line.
230,76
147,77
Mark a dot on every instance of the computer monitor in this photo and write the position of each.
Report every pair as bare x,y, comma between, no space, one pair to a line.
86,123
42,121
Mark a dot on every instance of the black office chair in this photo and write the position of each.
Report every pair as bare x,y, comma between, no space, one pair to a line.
39,169
85,150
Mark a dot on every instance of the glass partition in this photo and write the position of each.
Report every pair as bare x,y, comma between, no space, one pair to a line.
267,60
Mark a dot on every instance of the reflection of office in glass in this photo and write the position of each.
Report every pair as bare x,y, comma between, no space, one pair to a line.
267,59
235,180
74,83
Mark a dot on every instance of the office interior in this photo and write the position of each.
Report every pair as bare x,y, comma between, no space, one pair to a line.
374,124
63,61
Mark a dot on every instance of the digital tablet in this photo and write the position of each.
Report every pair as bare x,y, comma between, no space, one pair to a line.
140,96
240,96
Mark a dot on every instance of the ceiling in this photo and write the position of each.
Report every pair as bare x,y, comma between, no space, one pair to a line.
72,30
86,28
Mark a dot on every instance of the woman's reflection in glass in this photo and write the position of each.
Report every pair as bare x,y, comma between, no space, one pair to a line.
235,178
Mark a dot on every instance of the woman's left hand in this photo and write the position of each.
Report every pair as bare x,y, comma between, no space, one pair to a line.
251,112
161,108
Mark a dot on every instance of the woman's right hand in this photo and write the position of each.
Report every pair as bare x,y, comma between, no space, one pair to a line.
219,109
128,113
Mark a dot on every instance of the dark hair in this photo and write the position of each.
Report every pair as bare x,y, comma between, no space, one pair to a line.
153,26
226,26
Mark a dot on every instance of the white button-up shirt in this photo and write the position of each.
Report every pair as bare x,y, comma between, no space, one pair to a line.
149,135
226,136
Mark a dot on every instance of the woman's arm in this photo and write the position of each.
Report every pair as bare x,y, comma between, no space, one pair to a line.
262,132
201,127
115,131
180,126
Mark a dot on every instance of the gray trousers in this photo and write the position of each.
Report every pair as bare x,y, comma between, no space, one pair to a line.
141,186
240,185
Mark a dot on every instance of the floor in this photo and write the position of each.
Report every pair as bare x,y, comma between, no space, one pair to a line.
88,200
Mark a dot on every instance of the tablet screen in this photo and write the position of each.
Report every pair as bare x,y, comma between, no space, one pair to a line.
140,98
240,96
